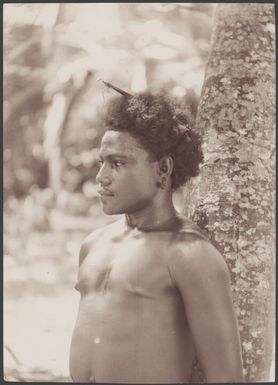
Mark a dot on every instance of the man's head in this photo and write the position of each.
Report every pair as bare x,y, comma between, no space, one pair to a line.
160,147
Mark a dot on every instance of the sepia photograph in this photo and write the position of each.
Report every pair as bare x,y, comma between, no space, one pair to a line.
139,192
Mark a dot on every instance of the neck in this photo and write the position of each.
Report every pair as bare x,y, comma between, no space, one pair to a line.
154,217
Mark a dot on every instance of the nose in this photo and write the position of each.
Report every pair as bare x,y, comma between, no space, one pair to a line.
102,176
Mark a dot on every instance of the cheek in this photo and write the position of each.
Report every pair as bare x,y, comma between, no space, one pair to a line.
133,192
141,182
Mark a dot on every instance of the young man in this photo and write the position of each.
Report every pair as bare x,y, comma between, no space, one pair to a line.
154,291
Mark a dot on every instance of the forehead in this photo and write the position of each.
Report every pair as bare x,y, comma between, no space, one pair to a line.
120,142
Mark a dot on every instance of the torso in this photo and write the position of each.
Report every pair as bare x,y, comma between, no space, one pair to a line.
131,326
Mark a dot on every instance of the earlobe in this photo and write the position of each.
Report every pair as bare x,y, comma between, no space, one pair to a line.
162,183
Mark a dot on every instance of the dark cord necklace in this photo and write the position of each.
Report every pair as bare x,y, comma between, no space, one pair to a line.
168,224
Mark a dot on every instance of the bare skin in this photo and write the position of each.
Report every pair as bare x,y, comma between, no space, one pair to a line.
154,291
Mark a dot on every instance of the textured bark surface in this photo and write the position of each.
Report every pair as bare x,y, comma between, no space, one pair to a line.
233,198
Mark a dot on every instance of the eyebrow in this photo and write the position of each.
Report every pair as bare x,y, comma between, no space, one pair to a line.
116,155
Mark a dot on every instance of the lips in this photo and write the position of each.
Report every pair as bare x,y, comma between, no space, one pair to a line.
105,193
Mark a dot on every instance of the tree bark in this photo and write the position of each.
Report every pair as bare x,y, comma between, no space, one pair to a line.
233,198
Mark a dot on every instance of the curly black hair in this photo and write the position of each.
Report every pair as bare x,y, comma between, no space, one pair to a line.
163,125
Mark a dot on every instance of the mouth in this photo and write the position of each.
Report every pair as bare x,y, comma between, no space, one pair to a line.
105,193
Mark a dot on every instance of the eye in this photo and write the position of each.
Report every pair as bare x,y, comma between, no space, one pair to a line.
116,164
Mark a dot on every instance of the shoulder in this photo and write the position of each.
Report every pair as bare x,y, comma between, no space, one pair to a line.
89,241
198,254
192,255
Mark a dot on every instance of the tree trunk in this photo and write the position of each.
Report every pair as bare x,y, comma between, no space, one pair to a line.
233,198
54,130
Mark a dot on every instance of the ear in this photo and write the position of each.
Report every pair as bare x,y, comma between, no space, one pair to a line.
165,166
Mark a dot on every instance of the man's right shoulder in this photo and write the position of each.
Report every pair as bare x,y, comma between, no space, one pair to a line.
95,235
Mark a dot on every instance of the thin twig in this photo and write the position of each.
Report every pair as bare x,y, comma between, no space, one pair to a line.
13,354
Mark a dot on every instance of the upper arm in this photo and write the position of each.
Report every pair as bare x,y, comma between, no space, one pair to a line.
85,247
88,243
83,251
202,277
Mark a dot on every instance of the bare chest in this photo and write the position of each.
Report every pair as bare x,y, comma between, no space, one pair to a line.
131,266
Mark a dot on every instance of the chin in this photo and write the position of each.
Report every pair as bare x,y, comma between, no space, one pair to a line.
112,210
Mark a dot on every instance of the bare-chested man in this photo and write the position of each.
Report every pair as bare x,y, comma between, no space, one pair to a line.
154,291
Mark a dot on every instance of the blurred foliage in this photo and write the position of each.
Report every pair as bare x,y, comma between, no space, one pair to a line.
41,246
54,55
